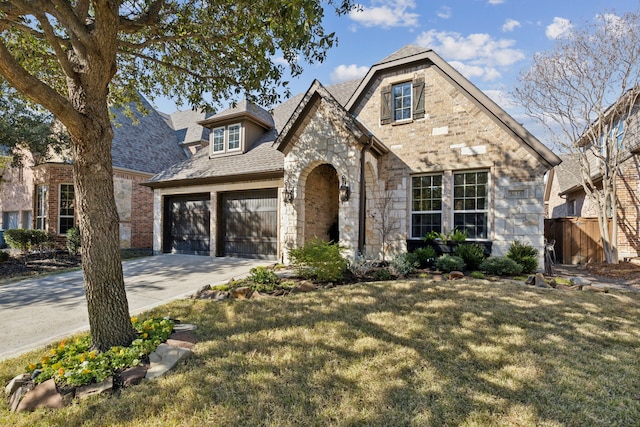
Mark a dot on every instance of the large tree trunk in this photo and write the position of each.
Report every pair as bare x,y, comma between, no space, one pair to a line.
99,226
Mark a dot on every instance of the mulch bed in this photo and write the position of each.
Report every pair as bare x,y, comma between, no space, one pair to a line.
623,270
37,263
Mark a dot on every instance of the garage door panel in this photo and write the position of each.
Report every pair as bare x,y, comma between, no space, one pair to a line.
188,225
250,224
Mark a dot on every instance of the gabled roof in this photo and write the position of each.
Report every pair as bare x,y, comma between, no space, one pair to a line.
243,109
317,91
186,127
145,144
415,55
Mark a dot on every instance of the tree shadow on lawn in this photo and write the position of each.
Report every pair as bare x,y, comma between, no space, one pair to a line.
404,353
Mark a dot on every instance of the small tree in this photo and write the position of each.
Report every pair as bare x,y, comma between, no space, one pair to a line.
384,221
584,92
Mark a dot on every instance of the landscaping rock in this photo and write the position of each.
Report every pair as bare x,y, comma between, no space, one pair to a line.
182,327
133,376
278,292
44,395
304,286
540,282
257,295
16,383
93,389
530,280
553,283
200,293
562,287
180,344
164,359
454,275
18,394
188,336
580,281
241,292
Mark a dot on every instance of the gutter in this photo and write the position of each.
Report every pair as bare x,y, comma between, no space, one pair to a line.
362,224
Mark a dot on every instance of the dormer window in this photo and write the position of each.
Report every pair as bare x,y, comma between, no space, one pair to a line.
402,102
226,139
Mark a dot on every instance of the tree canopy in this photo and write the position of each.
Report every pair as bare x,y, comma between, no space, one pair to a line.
77,57
585,92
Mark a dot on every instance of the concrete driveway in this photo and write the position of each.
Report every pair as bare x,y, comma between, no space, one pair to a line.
35,312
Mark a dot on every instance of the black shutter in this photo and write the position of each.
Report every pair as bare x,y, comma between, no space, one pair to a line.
386,106
418,99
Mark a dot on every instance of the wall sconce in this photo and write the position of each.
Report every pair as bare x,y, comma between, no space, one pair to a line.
287,194
345,192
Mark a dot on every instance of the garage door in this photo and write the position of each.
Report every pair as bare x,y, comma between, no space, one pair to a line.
187,226
249,224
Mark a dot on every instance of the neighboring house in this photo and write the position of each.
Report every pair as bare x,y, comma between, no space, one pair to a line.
566,198
42,195
413,130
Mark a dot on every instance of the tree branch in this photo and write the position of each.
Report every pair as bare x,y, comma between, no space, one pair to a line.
63,11
130,26
54,41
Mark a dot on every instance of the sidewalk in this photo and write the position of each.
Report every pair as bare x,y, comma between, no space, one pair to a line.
568,271
36,312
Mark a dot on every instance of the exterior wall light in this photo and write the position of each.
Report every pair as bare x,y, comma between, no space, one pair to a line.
287,195
345,191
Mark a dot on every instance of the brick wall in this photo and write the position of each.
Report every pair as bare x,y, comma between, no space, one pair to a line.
628,189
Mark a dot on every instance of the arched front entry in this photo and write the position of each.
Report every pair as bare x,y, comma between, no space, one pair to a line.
321,204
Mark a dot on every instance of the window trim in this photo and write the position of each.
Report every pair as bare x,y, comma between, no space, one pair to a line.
412,212
486,211
226,130
41,207
73,208
228,133
394,118
213,140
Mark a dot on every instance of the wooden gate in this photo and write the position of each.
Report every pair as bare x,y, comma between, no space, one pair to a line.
577,239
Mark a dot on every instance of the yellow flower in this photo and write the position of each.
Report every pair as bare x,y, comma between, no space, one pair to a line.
82,357
134,319
61,371
53,351
61,345
86,371
32,366
45,360
145,335
92,354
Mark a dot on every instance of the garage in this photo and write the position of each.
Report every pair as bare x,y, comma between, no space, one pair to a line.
187,224
249,224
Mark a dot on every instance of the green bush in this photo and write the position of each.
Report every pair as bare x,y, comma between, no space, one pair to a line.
4,256
263,276
404,264
458,236
382,274
25,240
448,263
472,254
477,274
525,255
319,261
501,266
73,241
425,256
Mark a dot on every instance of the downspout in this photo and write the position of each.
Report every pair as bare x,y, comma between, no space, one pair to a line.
362,225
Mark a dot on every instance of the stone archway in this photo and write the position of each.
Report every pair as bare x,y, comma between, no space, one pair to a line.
321,204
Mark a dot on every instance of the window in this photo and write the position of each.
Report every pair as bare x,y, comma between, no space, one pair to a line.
402,101
571,207
470,203
66,217
10,220
227,138
426,205
26,220
218,140
41,207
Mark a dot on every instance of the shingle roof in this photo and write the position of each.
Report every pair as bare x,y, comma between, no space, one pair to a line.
150,145
568,172
262,157
244,107
403,52
185,124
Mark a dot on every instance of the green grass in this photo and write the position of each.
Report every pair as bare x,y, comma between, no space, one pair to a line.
468,353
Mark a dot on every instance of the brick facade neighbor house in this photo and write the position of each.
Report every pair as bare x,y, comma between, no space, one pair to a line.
566,198
413,132
41,194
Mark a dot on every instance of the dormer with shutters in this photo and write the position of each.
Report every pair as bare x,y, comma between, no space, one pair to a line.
402,102
234,130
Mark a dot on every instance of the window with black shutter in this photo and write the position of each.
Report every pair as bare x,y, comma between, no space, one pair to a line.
403,101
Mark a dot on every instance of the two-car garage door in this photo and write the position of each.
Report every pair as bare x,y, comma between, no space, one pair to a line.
247,225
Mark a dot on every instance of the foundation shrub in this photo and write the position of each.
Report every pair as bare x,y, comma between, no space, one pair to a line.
319,261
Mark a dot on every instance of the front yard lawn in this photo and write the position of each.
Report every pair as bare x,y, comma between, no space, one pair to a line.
415,352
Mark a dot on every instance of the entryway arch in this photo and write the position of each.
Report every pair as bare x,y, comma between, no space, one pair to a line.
321,203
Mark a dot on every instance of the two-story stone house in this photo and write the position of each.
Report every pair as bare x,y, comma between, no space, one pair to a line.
413,131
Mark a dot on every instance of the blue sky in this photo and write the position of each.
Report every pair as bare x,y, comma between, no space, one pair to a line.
488,41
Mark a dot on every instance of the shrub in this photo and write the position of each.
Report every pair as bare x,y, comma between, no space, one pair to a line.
425,256
458,236
361,266
472,255
24,240
319,260
501,266
448,263
404,264
263,276
525,255
4,256
477,275
73,241
382,274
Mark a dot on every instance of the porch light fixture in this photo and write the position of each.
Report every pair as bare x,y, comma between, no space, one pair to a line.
345,191
287,195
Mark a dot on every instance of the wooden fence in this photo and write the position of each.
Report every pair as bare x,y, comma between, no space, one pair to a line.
577,239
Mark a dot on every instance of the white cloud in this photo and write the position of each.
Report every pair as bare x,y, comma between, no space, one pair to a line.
387,14
502,98
561,27
510,25
496,1
444,12
476,55
343,73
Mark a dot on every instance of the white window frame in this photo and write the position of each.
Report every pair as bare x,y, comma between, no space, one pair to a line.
486,211
226,140
60,208
419,212
41,207
394,116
